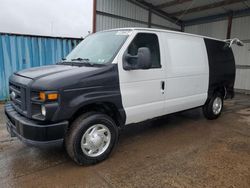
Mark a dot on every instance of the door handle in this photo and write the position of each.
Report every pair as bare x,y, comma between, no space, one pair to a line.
162,87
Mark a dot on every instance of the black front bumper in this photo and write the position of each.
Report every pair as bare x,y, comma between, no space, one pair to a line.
33,132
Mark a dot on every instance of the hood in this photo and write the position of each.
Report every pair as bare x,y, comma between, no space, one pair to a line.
38,72
62,77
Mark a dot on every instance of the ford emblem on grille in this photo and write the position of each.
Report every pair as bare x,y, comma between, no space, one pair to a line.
13,95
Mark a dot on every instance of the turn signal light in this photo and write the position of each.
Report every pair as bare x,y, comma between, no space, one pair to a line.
52,96
48,96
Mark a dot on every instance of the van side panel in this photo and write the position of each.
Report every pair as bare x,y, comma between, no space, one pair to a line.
221,67
187,72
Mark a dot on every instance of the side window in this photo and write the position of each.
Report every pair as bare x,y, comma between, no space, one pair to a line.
150,41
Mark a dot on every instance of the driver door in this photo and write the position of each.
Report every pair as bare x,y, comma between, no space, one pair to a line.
143,91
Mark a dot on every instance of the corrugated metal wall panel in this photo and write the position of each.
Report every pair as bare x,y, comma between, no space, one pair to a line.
105,22
19,52
242,54
242,81
118,12
122,8
161,21
157,27
213,29
241,30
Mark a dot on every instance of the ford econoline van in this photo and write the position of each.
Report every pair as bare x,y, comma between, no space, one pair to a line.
114,78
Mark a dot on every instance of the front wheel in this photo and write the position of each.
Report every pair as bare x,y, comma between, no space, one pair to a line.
91,138
212,109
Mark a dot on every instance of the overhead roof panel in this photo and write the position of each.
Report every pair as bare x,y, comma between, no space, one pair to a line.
247,3
206,11
157,2
203,13
234,7
214,11
187,5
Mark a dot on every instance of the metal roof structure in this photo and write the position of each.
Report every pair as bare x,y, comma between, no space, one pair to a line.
190,12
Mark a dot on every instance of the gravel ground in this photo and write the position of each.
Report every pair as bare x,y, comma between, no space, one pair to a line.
179,150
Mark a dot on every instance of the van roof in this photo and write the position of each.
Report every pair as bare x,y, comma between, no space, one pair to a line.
162,30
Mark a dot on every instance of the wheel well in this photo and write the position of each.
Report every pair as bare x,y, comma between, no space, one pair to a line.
222,90
105,107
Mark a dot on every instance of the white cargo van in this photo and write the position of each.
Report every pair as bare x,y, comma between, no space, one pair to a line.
115,78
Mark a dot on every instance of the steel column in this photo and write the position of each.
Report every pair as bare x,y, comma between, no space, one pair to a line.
94,17
149,18
229,26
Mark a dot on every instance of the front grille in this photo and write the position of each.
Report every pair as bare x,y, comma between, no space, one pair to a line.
18,96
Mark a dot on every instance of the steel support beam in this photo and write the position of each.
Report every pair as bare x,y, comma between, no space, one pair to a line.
229,26
171,3
218,17
168,16
149,18
206,7
243,66
145,5
133,20
94,17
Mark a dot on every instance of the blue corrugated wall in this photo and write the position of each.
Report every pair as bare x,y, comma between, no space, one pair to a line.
19,52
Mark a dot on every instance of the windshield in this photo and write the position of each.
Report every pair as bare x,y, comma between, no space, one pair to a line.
99,48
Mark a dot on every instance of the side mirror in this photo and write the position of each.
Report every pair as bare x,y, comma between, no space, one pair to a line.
140,61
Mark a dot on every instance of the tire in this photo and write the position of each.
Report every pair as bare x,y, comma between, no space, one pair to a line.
209,109
91,131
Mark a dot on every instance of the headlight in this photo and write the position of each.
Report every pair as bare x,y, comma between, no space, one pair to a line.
43,110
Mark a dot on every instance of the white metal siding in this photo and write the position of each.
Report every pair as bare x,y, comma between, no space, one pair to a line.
242,81
122,8
214,29
129,10
242,54
161,21
241,30
105,22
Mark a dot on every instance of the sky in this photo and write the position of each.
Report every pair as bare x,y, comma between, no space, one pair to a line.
61,18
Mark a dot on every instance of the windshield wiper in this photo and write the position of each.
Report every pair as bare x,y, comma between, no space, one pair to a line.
64,60
81,62
80,59
85,61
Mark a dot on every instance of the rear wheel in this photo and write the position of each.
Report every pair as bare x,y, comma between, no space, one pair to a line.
91,138
212,109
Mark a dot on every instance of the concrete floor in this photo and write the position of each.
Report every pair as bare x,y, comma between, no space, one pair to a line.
180,150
